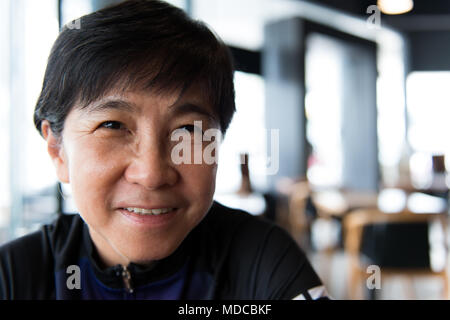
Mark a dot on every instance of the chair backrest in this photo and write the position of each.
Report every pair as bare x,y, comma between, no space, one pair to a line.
395,240
298,201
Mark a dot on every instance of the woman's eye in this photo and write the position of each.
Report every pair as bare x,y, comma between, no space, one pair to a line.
188,127
114,125
191,128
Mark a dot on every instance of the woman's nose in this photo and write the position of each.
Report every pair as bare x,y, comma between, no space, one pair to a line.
152,169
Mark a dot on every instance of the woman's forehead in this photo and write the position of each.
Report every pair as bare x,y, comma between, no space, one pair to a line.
168,95
192,100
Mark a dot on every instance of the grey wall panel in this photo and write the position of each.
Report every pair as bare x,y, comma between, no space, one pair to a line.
283,70
429,50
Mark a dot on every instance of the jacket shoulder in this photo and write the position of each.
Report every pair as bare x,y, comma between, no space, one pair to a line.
27,263
260,260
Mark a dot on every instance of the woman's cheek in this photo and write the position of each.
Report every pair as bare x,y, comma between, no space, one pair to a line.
95,162
199,179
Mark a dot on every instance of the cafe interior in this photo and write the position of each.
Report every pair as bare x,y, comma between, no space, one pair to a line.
341,134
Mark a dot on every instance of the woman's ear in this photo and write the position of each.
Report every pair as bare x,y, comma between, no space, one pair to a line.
56,151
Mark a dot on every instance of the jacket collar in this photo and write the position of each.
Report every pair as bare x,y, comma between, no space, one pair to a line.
140,275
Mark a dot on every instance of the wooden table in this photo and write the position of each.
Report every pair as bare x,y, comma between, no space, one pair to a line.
337,203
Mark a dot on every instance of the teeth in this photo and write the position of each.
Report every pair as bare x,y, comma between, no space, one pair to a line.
149,212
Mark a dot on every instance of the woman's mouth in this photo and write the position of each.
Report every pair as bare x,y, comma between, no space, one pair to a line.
155,212
153,218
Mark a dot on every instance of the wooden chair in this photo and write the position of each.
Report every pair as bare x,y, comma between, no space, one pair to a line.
355,223
299,224
307,227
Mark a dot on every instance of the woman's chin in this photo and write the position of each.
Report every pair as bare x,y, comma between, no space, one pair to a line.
143,256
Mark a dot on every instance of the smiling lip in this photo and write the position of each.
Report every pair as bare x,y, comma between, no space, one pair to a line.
143,211
152,217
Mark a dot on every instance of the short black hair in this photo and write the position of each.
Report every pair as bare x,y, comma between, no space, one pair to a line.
137,44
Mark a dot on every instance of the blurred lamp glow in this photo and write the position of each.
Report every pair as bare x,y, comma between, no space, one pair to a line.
395,6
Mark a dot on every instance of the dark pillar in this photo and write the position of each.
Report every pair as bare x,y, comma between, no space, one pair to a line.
283,70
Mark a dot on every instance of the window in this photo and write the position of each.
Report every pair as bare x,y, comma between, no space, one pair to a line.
5,197
429,111
33,27
323,110
246,134
428,131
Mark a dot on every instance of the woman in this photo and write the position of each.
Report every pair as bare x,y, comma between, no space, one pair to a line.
116,92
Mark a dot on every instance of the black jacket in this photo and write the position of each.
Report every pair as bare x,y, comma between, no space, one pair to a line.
229,255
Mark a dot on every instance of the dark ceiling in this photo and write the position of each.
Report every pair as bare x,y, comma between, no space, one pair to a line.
427,15
427,28
359,7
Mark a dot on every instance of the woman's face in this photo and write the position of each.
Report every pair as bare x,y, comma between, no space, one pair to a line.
116,154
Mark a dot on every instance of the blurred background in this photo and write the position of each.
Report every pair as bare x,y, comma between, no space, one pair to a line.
341,134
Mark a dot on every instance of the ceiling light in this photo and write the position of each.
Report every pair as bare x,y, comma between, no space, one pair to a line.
395,6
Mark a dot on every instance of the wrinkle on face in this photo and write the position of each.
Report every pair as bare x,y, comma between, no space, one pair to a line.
99,159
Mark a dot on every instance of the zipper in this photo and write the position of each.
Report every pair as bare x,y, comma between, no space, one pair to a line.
126,277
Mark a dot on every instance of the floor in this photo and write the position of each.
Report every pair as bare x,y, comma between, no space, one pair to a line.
333,270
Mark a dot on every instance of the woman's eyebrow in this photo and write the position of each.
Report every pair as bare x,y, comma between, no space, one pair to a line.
177,109
116,104
188,108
